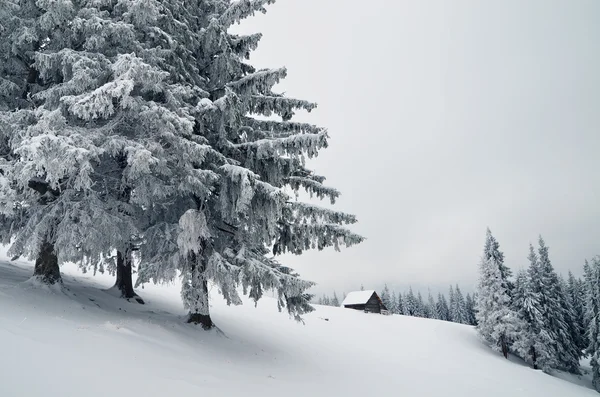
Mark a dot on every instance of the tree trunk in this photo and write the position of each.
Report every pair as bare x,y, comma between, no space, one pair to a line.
504,347
124,281
200,313
46,265
534,357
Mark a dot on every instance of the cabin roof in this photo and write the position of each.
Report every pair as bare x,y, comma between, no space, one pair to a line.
358,297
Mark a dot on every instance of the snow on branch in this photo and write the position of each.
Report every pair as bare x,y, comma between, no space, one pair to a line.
259,273
243,45
282,128
242,9
128,72
266,105
237,190
315,214
297,238
313,187
295,145
259,82
193,231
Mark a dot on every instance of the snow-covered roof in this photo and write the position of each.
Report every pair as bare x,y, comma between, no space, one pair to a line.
358,297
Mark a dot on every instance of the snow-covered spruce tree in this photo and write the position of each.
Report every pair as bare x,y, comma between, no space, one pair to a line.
241,205
335,301
534,343
19,39
59,189
571,317
442,308
451,303
592,313
470,310
393,303
421,310
558,314
459,313
210,176
432,307
386,297
401,306
497,323
576,298
410,303
492,252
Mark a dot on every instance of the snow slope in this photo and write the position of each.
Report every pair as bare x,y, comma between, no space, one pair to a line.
85,342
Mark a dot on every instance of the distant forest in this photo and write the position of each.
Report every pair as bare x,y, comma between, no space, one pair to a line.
455,308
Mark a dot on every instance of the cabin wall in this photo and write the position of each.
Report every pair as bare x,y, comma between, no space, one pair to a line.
373,305
355,307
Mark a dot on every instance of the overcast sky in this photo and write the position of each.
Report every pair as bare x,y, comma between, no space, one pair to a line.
447,117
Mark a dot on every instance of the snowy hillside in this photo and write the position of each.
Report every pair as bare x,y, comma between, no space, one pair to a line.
85,342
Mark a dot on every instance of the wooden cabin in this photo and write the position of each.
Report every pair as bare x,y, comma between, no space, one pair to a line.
367,301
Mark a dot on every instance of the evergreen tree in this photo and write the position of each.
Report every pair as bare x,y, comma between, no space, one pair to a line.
432,307
497,323
153,110
558,315
492,252
592,313
459,312
401,307
386,297
410,303
335,301
470,310
534,342
424,310
393,308
576,299
420,306
451,304
442,308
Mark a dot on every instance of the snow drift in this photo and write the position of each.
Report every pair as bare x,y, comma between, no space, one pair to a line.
84,341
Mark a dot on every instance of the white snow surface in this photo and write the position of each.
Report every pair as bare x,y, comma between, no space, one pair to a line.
358,297
84,341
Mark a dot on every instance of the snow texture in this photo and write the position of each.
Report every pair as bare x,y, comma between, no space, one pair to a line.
65,338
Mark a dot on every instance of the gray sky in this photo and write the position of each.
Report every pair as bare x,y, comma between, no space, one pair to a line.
447,117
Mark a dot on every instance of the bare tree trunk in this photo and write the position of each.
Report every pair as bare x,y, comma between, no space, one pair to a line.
534,357
46,265
124,281
504,347
200,314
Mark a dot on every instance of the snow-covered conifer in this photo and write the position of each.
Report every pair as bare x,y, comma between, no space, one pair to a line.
442,308
432,307
451,303
576,299
534,343
164,90
410,303
401,306
470,310
459,313
420,308
393,307
592,313
492,252
335,301
386,297
558,314
497,323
